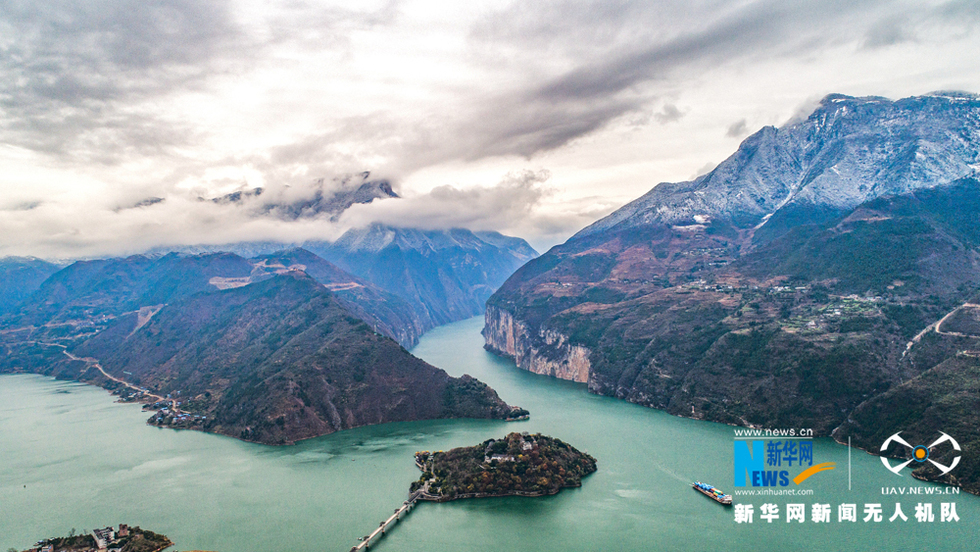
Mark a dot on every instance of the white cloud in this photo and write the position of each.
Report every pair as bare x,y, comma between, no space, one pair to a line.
94,228
105,105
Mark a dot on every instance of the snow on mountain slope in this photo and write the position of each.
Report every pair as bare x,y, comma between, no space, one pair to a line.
849,150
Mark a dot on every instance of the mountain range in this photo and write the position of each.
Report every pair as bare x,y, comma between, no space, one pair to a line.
440,276
826,275
19,276
809,280
385,312
273,349
278,361
430,277
281,346
445,275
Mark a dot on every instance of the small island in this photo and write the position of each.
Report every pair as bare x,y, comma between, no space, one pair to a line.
125,539
520,464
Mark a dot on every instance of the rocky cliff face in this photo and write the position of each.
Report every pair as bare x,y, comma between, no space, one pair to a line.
540,350
797,281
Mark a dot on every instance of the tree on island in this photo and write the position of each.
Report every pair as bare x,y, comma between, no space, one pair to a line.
524,464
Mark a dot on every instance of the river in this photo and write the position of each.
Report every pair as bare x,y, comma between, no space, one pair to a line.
70,457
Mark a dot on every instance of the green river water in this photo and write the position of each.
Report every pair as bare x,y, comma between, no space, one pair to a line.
70,457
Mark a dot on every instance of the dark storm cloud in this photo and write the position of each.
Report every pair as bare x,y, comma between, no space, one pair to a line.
85,80
533,123
758,29
123,102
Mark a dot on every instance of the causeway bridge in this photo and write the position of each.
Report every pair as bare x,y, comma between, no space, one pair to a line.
385,525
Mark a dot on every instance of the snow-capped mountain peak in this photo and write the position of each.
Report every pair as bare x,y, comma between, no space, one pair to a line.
849,150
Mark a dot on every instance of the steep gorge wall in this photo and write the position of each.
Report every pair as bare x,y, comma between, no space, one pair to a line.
538,350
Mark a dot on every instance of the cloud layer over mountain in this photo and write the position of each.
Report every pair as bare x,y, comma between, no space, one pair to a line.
105,105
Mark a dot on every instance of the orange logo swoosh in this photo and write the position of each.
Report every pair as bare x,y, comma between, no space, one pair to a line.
813,470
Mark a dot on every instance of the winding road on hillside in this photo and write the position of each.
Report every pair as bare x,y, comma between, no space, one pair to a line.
937,326
954,311
95,364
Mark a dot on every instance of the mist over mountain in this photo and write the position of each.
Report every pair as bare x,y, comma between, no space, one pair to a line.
320,198
19,277
443,275
275,348
446,275
807,274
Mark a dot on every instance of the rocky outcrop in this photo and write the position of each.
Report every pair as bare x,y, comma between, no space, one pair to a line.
539,350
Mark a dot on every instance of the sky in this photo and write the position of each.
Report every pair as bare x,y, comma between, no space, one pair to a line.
120,118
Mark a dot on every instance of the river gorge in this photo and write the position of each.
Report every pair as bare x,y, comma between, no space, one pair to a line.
70,457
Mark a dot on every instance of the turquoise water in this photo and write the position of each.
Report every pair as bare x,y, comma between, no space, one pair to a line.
70,457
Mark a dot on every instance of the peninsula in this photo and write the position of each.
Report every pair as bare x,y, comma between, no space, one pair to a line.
520,464
272,362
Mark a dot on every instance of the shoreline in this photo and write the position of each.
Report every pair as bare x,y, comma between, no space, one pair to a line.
523,494
144,402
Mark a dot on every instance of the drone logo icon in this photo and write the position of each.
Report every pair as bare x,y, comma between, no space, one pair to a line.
920,454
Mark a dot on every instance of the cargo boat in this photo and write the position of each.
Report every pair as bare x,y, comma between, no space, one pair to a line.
712,493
